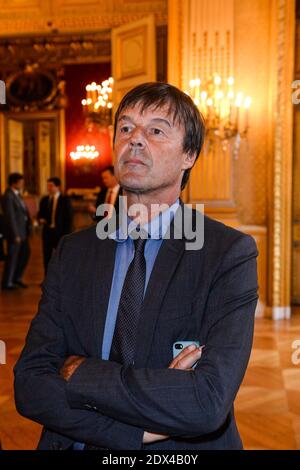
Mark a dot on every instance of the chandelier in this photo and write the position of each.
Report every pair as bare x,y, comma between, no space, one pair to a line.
97,106
84,151
226,113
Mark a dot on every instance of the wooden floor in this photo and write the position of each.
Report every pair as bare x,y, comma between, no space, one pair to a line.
267,406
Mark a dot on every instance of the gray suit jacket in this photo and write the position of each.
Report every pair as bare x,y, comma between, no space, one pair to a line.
16,216
207,295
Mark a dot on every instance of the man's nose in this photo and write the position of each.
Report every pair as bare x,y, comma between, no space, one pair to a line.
136,144
136,140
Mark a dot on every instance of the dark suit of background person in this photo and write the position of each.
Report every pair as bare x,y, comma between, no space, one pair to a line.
2,255
16,230
57,221
208,294
108,194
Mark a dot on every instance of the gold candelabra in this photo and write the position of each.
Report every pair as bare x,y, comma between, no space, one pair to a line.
226,112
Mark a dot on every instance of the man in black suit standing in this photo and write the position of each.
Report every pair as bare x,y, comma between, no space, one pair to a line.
107,195
99,368
55,214
16,230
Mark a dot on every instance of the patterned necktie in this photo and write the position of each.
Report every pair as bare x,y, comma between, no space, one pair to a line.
131,300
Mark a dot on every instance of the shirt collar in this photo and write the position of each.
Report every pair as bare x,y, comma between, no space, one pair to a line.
156,228
115,188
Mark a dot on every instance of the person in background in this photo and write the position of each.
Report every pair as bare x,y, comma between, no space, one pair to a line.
16,230
2,255
109,194
55,214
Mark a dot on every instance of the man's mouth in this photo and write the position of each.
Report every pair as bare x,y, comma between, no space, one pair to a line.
134,161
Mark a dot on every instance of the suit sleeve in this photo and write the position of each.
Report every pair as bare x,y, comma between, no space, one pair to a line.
40,391
68,215
177,402
42,209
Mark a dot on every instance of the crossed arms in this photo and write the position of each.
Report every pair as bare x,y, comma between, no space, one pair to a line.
108,405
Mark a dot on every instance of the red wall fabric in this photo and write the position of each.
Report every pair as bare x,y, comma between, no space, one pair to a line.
77,76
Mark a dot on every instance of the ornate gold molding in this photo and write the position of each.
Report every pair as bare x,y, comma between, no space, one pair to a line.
61,16
47,50
280,247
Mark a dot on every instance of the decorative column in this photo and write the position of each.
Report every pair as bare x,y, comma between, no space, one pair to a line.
283,39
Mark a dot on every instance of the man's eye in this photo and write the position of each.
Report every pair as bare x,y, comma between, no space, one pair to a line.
157,131
125,129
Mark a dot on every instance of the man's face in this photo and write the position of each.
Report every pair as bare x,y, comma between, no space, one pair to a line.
19,185
149,150
52,188
107,178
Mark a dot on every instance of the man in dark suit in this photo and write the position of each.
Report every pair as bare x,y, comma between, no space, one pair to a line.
109,194
55,214
16,230
98,369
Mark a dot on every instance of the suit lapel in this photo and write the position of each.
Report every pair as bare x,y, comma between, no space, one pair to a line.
105,260
17,200
165,265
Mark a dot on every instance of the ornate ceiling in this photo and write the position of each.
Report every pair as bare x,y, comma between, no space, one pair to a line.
54,49
20,17
45,35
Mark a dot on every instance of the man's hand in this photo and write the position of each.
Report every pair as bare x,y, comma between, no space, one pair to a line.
184,361
187,358
70,365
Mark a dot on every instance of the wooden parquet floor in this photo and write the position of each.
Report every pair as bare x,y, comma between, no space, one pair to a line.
267,406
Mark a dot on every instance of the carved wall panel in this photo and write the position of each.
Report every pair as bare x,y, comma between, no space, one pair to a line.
252,74
249,56
208,31
130,47
207,48
133,55
211,180
263,68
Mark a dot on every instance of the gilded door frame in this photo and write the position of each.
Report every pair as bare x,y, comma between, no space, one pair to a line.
281,164
60,139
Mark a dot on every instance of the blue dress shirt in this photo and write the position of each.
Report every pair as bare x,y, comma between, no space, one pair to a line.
156,230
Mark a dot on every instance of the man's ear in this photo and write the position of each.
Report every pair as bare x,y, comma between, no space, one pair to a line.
189,160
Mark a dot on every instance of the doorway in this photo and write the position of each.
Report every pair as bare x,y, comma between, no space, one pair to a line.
34,146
